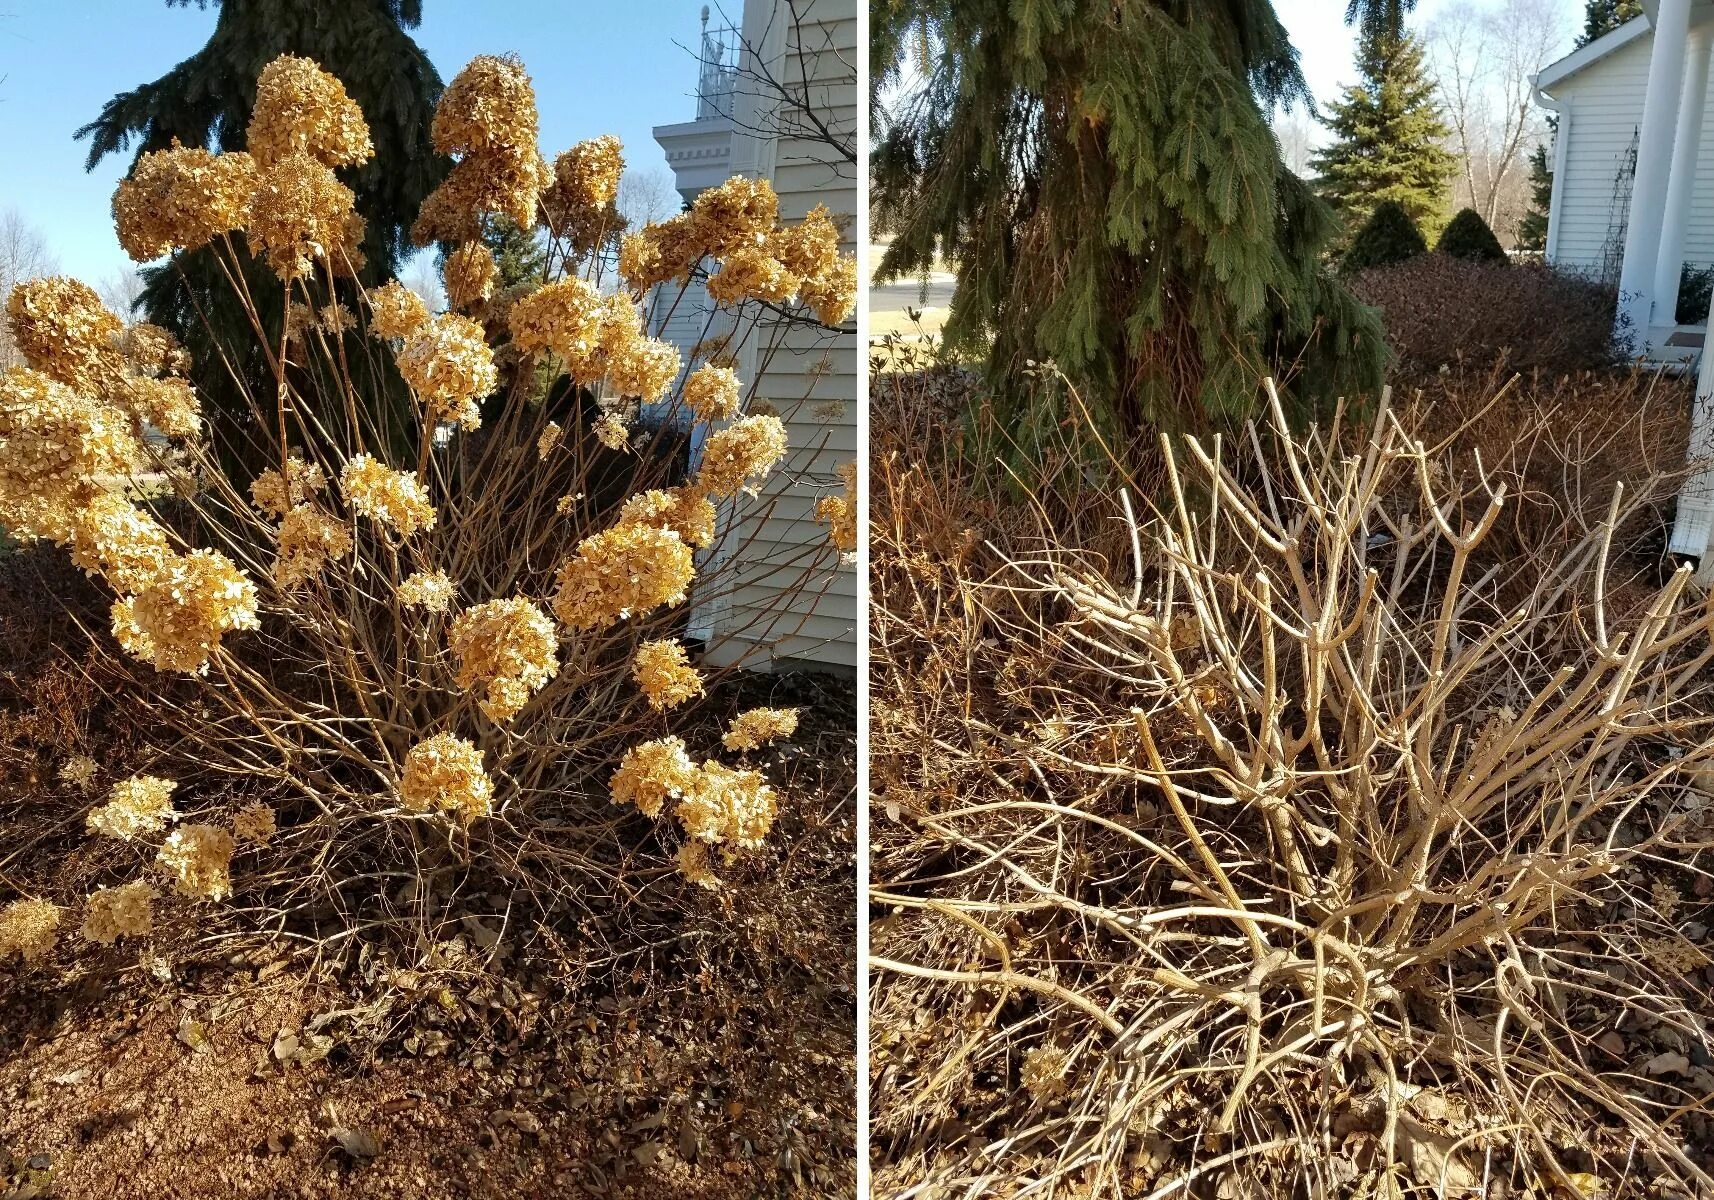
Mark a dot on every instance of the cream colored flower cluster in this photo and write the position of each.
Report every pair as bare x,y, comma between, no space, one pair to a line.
448,363
301,109
840,513
182,198
80,771
507,647
58,453
28,929
596,338
395,311
685,510
469,273
664,675
712,392
487,116
552,436
177,620
611,431
308,538
739,457
651,773
113,538
736,224
430,590
757,727
579,204
255,823
198,860
278,492
140,805
116,912
394,498
620,572
716,804
445,773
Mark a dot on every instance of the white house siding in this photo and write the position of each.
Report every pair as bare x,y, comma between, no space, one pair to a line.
810,378
1601,107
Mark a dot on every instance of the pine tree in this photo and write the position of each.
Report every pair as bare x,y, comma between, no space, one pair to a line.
1388,137
206,101
1603,16
1532,230
1105,178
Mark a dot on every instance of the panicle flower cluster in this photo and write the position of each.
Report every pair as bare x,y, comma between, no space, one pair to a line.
64,331
278,492
427,589
301,214
182,198
552,436
757,727
663,672
394,498
80,771
301,109
683,509
595,337
507,647
449,365
116,912
735,215
651,773
255,823
395,311
58,452
29,929
154,351
488,116
728,806
740,456
169,404
712,392
136,806
336,319
308,537
752,274
840,513
470,274
622,571
579,204
611,431
177,620
693,864
445,772
113,538
198,859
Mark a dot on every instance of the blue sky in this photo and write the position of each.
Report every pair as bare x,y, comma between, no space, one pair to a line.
598,68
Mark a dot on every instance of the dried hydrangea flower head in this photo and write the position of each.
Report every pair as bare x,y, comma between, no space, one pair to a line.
620,572
470,273
832,293
757,727
114,539
563,318
142,804
301,109
740,456
552,436
735,215
153,351
301,215
177,621
611,431
116,912
643,367
684,509
450,367
712,393
169,405
394,498
445,773
198,859
489,105
507,647
335,319
579,204
692,859
255,823
395,311
840,513
63,330
308,538
58,452
182,198
502,182
809,247
28,929
431,590
752,274
651,773
663,673
278,492
728,806
79,771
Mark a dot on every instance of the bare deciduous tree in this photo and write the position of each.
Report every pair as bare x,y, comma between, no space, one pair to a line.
24,254
647,194
1483,57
